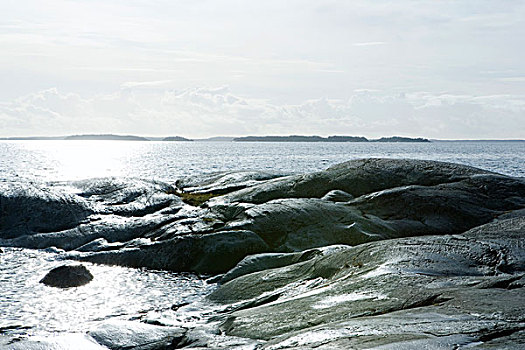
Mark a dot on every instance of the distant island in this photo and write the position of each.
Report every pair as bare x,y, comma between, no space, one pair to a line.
106,137
400,139
299,138
290,138
175,138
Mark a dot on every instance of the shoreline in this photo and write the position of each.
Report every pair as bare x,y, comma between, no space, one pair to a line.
377,244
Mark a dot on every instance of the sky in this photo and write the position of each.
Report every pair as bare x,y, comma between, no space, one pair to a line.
201,68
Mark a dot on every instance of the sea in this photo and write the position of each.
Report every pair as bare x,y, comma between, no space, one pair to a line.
28,308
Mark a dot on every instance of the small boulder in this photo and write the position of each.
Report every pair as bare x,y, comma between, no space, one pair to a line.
67,276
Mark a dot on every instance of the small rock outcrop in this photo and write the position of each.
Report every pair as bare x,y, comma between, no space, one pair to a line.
118,335
67,276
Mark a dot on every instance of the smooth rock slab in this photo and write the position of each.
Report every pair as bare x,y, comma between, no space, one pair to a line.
60,342
67,276
130,335
419,292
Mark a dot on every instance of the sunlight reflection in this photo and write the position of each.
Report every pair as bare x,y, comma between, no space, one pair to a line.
87,159
75,160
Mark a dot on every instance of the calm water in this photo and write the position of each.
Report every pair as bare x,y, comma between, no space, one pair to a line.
73,160
31,308
27,307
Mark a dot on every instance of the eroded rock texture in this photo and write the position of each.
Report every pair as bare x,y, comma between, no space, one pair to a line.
373,253
145,224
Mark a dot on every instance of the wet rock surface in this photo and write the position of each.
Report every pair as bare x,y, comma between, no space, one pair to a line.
373,253
67,276
422,292
136,336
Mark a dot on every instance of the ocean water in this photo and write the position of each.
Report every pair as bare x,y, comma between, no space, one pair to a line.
167,161
29,308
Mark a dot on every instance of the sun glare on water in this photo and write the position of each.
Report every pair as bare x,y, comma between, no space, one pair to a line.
75,160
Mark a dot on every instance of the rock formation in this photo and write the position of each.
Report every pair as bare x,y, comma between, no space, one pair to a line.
372,253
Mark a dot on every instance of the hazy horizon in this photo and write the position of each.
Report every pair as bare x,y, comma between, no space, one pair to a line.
438,70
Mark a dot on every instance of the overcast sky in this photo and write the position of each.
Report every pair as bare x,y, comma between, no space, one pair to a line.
197,68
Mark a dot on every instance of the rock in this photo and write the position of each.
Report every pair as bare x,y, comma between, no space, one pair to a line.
356,177
205,254
224,182
266,261
141,223
337,196
295,224
136,336
418,292
374,253
55,342
28,208
67,276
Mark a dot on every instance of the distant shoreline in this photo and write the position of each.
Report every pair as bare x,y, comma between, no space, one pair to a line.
291,138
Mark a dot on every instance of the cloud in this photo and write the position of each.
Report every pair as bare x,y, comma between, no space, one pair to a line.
370,43
201,112
513,79
134,84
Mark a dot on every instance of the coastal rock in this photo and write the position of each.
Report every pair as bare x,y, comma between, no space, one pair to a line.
374,253
207,253
118,335
28,208
337,196
454,206
56,342
67,276
70,215
143,223
224,182
356,177
418,292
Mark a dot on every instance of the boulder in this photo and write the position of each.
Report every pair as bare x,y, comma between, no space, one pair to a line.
67,276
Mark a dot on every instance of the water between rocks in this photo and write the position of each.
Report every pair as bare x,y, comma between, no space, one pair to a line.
31,308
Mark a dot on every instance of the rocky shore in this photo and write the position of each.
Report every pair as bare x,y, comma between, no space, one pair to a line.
372,253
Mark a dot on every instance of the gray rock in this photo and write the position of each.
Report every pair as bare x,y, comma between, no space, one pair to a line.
266,261
67,276
337,196
224,182
205,253
356,177
118,335
55,342
374,253
295,224
420,292
141,223
28,208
